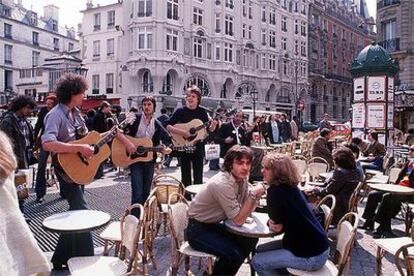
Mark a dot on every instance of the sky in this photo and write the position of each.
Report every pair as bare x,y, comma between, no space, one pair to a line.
69,10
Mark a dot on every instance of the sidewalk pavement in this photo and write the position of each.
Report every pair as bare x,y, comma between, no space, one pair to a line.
111,194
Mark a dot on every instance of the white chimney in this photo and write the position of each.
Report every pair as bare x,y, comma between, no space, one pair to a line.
51,12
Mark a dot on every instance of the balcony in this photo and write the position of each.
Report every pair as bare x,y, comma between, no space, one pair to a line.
96,28
386,3
109,91
391,45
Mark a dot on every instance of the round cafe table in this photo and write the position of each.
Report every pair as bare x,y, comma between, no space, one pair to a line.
76,221
393,189
256,228
195,188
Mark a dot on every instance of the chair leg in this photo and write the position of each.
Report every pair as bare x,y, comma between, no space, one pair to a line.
117,247
187,264
209,266
105,252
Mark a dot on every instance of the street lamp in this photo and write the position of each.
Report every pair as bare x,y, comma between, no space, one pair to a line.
254,96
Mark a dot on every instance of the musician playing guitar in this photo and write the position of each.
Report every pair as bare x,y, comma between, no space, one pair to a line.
64,124
145,126
184,115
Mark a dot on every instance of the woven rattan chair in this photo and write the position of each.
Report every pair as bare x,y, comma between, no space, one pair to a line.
150,231
317,165
355,196
404,260
126,263
327,205
300,163
181,249
346,230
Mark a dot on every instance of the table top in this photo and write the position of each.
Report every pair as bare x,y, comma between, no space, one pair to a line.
77,221
391,188
380,179
256,229
196,188
392,245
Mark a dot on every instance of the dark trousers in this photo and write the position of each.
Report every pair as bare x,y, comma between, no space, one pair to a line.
389,206
214,164
41,174
72,245
231,250
196,161
142,174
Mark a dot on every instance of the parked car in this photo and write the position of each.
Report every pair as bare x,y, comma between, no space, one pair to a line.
308,126
339,129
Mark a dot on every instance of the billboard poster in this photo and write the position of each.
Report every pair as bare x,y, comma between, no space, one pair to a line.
358,115
376,115
359,89
390,89
376,89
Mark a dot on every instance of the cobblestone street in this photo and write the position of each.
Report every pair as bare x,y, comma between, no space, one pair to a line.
111,194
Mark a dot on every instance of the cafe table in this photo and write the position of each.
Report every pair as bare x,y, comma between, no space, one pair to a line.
195,188
392,188
255,227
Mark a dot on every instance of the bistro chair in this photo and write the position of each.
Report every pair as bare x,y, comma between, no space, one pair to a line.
126,263
317,165
353,200
404,260
327,205
346,230
300,163
177,211
150,231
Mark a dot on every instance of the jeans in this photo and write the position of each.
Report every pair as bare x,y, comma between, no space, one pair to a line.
213,238
214,164
142,174
195,160
272,259
78,244
41,174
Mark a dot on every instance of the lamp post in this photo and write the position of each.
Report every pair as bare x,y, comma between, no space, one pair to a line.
254,96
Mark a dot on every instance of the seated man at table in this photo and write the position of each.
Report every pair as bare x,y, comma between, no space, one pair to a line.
226,197
321,148
389,204
375,152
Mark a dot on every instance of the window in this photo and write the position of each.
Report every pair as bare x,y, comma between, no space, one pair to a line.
198,16
96,48
244,8
296,47
303,28
303,11
229,4
217,56
172,40
167,85
109,80
172,9
250,32
272,16
144,38
228,52
263,36
244,30
218,23
284,23
144,8
95,84
56,44
285,67
200,82
264,61
272,38
70,46
250,9
264,14
110,47
35,58
111,19
296,27
7,30
284,43
303,48
389,29
272,62
208,50
198,47
35,38
228,24
96,21
147,83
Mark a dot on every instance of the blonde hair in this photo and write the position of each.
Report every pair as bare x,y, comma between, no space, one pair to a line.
283,170
7,159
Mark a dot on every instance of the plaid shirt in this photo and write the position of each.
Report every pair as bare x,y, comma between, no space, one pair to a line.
23,124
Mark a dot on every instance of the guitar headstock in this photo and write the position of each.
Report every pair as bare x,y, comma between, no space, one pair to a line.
130,118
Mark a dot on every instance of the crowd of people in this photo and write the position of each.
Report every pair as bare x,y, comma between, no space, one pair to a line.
228,196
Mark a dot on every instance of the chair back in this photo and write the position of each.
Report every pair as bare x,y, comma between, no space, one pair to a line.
317,165
177,211
405,255
346,231
151,219
131,227
353,200
165,185
301,165
327,205
393,175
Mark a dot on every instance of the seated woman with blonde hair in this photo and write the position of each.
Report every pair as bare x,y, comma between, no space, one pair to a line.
19,252
305,245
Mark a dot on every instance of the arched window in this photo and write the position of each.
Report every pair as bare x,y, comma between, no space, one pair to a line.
199,45
167,86
284,96
200,83
147,83
243,90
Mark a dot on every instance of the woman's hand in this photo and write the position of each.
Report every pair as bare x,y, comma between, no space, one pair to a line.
275,227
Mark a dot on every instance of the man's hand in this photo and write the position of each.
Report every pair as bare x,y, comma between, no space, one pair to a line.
277,228
228,140
131,148
259,190
86,150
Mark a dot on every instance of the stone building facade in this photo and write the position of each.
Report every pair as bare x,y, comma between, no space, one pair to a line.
337,33
239,52
26,40
395,32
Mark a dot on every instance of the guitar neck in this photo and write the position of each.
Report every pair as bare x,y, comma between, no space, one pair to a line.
111,134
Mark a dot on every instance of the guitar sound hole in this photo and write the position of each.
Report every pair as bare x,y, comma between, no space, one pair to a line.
191,138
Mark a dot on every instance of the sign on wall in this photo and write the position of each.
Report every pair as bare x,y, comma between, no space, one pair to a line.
359,89
390,116
376,89
376,115
390,89
358,115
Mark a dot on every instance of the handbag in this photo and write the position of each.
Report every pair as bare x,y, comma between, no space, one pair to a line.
21,180
212,151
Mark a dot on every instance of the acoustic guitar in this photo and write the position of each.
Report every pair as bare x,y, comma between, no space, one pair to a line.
197,130
82,170
144,151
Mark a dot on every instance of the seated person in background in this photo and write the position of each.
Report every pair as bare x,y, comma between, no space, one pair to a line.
322,148
361,144
389,204
305,245
410,137
342,184
226,197
375,151
355,151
